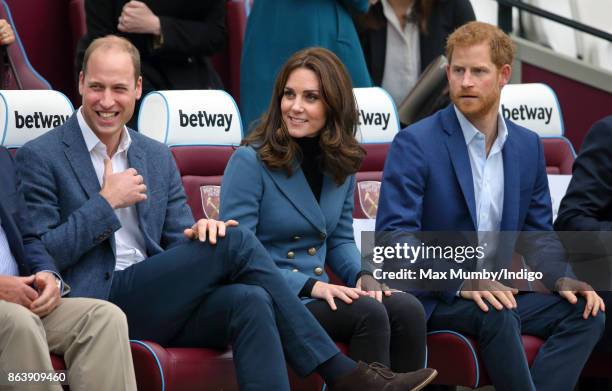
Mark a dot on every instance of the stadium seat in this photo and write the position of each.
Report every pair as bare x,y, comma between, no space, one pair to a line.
378,126
21,74
227,63
187,121
29,114
535,106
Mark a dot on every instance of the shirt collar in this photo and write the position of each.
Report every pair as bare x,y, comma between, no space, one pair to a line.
92,141
470,131
390,14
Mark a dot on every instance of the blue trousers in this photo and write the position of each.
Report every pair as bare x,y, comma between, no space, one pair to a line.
569,339
231,293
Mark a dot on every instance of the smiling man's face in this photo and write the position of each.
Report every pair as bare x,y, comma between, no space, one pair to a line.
475,82
109,92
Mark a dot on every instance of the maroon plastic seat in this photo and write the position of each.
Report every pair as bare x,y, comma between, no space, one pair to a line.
371,170
182,369
559,155
200,165
21,74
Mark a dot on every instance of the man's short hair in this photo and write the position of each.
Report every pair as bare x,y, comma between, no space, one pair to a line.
474,33
113,42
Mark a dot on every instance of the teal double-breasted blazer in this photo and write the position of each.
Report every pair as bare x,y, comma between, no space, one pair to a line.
276,29
301,234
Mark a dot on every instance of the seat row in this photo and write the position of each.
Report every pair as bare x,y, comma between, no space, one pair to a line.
202,129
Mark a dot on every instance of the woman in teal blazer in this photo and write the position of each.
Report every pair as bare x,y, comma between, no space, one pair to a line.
292,183
278,28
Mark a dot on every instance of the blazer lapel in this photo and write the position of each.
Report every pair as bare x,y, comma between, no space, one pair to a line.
78,156
332,200
136,160
512,185
458,154
293,188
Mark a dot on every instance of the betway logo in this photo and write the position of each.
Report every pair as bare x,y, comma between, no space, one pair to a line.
39,120
202,118
524,112
377,119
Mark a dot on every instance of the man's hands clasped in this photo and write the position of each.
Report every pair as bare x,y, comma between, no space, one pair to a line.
38,292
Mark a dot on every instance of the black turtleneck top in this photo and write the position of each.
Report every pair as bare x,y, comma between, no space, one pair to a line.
311,163
311,167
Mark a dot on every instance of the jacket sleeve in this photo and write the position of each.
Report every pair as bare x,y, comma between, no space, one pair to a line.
538,243
205,36
241,194
101,17
36,257
178,214
400,205
589,193
342,254
86,227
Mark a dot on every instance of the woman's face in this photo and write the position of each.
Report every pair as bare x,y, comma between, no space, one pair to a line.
301,105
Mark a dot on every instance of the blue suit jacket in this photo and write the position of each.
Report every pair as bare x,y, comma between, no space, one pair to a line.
26,247
428,186
77,224
285,216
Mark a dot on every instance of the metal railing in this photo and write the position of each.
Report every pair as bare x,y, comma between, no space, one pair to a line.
505,18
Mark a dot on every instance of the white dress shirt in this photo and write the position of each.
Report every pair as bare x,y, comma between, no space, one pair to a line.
403,55
130,243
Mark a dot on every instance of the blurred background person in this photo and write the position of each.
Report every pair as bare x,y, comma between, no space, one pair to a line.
174,38
277,29
401,37
292,184
7,37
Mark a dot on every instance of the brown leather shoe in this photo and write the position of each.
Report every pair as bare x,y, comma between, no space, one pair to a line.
377,377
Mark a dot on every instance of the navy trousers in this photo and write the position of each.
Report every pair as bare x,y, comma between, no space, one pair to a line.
569,339
227,294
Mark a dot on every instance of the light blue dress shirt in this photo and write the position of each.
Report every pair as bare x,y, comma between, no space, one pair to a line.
487,172
8,265
488,178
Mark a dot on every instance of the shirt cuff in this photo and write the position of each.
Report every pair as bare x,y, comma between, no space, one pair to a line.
363,273
63,287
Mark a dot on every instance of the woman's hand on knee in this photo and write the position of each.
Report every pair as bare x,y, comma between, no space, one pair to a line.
373,288
209,227
328,292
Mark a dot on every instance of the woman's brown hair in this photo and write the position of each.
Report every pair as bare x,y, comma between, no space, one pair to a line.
422,10
341,154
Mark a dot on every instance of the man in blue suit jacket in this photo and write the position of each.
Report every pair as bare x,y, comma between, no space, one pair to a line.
109,204
92,334
467,169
